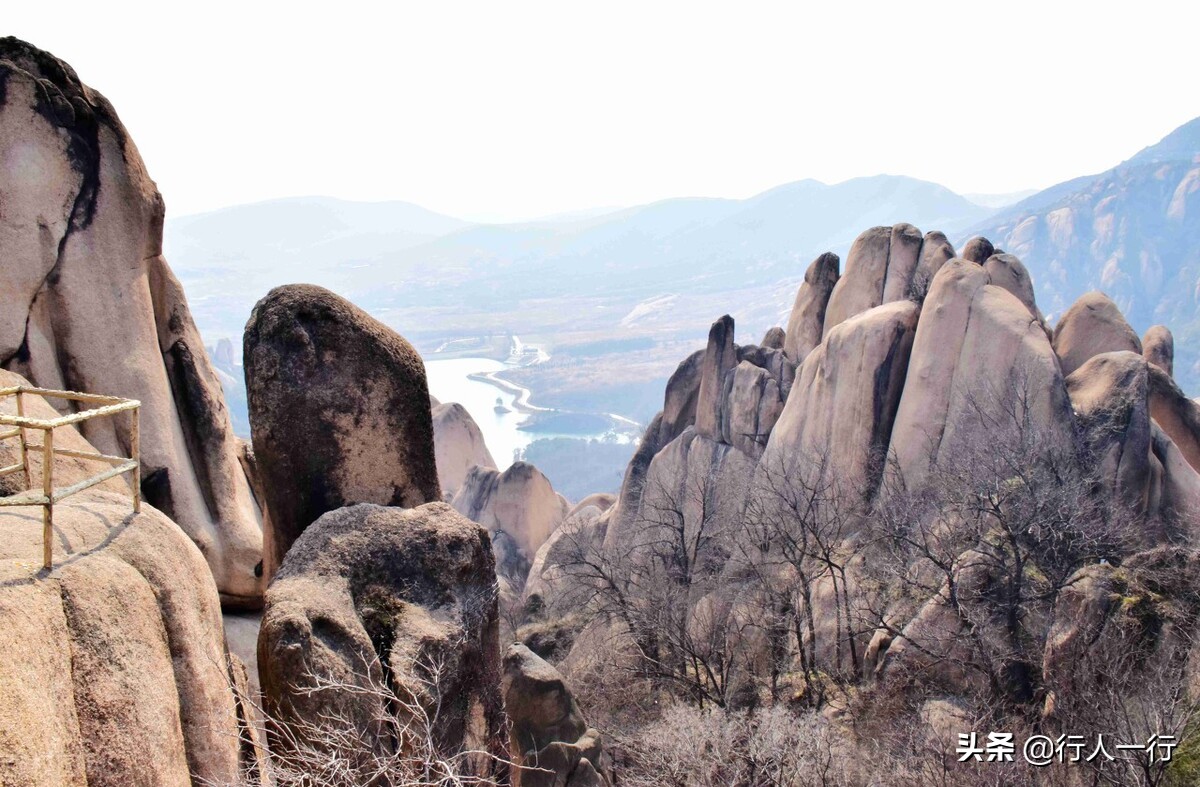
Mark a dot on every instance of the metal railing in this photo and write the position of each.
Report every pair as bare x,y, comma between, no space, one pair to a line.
49,495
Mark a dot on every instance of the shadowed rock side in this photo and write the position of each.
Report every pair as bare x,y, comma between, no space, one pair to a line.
551,741
88,303
458,444
339,412
119,645
375,597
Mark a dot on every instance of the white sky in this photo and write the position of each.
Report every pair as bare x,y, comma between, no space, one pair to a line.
517,109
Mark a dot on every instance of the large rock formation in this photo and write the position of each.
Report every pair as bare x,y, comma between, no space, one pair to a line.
339,411
1158,345
394,603
458,444
550,739
1092,325
519,503
978,353
838,417
88,303
807,321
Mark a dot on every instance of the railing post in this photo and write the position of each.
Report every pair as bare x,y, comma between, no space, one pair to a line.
24,441
48,491
135,453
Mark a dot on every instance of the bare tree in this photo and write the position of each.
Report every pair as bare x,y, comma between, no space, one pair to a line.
667,586
799,532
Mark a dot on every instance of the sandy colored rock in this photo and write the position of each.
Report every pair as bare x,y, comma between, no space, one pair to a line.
519,501
1158,345
806,324
1008,272
119,645
458,444
720,357
936,251
339,412
1092,325
1178,416
904,254
774,338
976,349
843,402
977,250
861,285
88,303
548,730
751,404
1110,397
368,586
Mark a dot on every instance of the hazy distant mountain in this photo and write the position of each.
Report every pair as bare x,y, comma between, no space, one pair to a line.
394,258
997,201
1133,232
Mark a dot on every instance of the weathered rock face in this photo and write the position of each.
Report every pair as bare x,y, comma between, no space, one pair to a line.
936,251
120,645
720,357
807,321
520,502
1092,325
839,415
904,252
861,286
1009,273
1178,416
774,338
88,303
978,250
339,412
370,597
1158,345
1109,395
458,444
550,739
583,530
976,349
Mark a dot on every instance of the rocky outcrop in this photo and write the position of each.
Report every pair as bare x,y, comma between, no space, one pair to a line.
1110,397
582,532
774,338
550,738
838,418
458,444
720,357
861,285
88,303
120,644
936,251
807,321
978,250
390,601
339,412
1158,346
904,253
520,503
1092,325
976,354
1007,272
